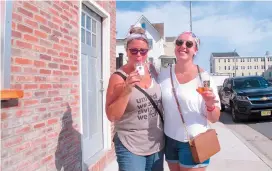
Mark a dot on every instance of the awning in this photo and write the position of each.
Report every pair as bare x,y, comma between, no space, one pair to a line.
167,57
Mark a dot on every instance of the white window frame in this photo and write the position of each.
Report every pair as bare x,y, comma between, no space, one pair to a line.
106,39
6,20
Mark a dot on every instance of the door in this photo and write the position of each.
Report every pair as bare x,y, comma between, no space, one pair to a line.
91,85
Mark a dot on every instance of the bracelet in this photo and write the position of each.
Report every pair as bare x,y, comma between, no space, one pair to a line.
210,109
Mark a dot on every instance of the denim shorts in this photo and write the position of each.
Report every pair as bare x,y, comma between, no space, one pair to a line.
127,161
179,152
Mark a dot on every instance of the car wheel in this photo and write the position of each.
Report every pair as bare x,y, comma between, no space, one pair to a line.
223,107
233,115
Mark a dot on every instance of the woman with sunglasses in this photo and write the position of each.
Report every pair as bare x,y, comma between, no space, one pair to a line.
196,106
139,138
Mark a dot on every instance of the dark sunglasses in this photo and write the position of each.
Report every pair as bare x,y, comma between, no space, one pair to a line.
188,43
135,51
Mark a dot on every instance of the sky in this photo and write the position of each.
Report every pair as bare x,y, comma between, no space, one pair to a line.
221,26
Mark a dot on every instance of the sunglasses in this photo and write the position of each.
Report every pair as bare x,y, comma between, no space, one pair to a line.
188,43
135,51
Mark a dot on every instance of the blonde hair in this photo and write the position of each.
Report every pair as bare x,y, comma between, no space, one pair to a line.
137,33
137,30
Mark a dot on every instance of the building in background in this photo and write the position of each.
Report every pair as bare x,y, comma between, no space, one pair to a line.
169,56
235,65
60,54
155,35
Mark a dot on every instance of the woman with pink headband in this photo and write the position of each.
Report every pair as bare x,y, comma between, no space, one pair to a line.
198,105
133,103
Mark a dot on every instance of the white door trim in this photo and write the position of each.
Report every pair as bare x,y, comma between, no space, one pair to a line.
105,65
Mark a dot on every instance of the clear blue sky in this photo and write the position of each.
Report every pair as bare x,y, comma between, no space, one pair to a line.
221,26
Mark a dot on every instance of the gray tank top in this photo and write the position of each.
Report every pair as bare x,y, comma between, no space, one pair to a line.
140,129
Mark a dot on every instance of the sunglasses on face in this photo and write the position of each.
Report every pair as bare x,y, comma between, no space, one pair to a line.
188,43
135,51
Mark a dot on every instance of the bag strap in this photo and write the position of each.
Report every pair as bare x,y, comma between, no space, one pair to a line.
175,95
199,73
145,93
178,105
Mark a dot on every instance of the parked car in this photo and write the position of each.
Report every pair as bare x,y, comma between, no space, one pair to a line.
247,97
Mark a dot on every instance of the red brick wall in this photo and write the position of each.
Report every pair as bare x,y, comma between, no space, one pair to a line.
44,63
42,130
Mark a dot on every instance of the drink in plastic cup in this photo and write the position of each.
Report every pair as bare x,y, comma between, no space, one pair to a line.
140,68
205,84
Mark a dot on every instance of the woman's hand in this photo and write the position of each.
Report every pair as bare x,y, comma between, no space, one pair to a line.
132,79
209,98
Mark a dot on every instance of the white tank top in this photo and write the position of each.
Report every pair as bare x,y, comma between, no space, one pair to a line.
191,102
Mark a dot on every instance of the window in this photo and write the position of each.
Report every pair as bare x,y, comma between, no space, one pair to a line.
256,73
219,67
6,44
225,67
218,60
229,67
150,43
88,30
242,74
249,73
151,60
143,26
228,60
224,60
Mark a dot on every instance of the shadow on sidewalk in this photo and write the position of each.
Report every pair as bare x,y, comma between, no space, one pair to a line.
68,156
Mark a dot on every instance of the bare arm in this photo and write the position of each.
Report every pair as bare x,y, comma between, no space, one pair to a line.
118,94
214,115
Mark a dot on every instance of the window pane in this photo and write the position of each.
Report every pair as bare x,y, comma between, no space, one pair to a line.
83,20
93,40
93,26
88,23
88,38
82,35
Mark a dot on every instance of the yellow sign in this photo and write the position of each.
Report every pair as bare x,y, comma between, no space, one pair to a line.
266,113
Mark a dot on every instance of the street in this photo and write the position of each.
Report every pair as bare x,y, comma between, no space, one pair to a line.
257,133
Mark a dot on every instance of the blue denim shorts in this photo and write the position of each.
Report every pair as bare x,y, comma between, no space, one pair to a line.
127,161
179,152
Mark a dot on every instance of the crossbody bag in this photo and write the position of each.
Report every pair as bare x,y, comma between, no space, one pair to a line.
205,144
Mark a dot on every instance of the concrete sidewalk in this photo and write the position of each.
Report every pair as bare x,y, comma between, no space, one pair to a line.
235,155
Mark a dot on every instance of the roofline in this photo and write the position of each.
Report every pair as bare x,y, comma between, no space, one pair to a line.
142,16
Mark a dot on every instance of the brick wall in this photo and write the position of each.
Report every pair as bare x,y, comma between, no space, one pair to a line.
43,127
41,131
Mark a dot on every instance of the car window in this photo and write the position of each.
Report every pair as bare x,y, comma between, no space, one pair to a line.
250,83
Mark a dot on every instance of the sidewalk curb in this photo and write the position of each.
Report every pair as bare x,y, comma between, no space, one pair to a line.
252,148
